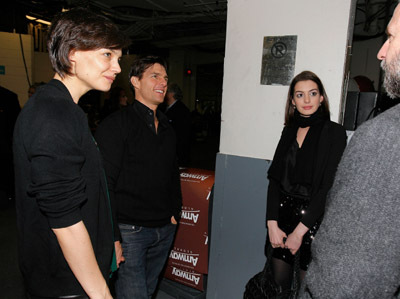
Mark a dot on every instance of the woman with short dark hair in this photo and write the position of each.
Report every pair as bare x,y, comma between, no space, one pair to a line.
66,234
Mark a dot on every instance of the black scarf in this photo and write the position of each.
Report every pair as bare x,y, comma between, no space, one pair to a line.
313,119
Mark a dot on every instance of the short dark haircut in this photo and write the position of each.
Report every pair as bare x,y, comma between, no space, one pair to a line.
83,30
176,91
305,76
141,63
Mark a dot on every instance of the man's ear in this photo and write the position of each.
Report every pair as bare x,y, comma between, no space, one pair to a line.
135,82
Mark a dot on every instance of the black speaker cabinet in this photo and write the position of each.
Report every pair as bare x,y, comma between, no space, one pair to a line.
359,108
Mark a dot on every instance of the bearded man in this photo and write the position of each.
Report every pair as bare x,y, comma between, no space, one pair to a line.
356,253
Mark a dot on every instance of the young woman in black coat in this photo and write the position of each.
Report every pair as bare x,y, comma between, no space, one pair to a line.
301,174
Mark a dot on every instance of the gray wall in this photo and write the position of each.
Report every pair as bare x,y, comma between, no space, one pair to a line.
238,225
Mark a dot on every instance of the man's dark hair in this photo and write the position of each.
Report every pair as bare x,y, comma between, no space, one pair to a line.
142,63
83,30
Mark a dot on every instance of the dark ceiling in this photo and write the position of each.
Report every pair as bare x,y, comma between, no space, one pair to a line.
160,25
153,25
372,17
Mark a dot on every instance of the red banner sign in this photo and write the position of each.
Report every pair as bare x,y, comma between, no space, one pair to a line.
188,259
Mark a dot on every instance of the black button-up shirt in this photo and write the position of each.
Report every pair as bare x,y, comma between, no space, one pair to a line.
141,166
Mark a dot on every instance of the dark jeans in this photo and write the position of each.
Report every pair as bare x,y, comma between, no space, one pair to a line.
145,250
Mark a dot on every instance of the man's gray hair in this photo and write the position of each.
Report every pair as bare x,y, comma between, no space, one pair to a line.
175,89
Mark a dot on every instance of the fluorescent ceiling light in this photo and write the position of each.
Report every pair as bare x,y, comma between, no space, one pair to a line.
38,20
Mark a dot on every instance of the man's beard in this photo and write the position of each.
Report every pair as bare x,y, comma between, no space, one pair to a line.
391,81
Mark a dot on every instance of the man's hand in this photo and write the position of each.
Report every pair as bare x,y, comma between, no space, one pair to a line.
173,221
119,253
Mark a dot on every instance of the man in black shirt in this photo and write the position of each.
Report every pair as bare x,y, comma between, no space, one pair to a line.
139,149
179,118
